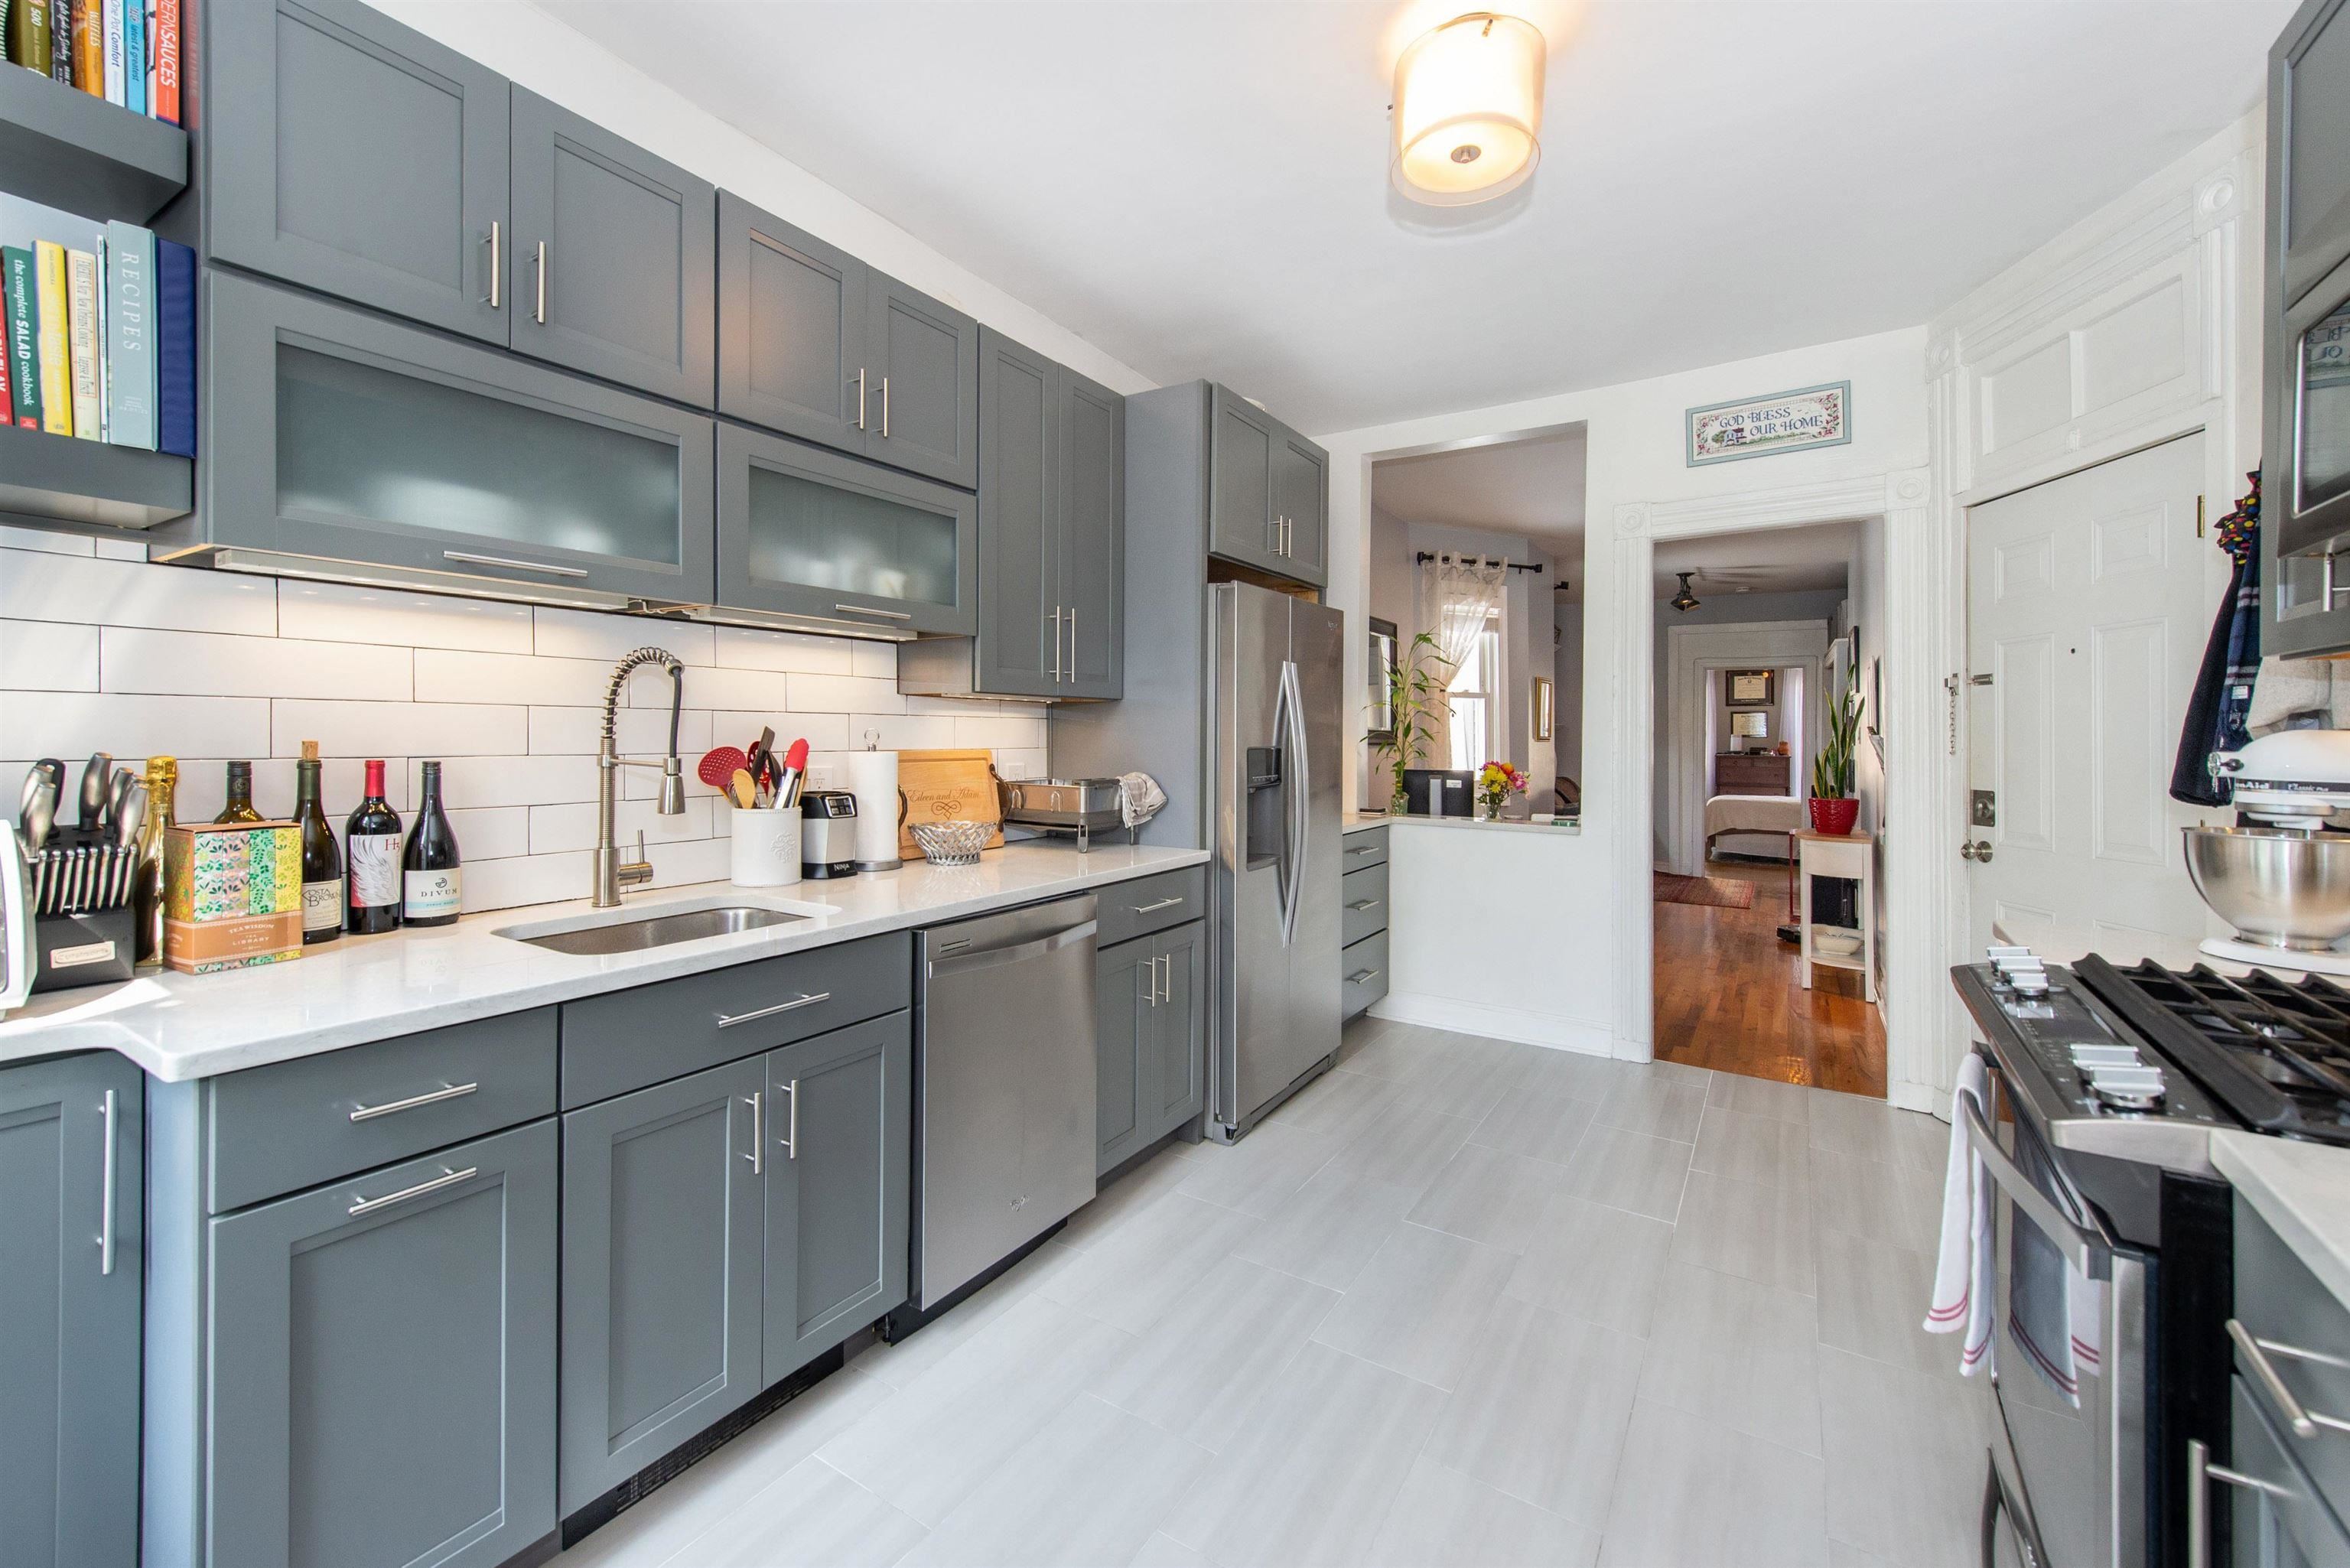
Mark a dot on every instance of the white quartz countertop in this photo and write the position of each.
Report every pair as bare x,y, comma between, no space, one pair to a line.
1471,825
181,1026
2303,1191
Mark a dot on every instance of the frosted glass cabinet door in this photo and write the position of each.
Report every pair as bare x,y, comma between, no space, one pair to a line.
359,439
810,534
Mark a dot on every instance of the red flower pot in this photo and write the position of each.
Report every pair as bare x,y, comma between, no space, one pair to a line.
1834,816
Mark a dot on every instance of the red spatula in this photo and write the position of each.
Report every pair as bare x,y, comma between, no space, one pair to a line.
717,767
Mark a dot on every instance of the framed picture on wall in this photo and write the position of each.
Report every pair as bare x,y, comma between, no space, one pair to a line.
1760,427
1380,674
1545,708
1750,688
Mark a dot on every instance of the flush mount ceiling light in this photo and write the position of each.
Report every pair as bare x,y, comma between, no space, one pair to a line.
1685,601
1468,110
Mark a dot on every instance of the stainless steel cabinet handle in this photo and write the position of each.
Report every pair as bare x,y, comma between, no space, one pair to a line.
497,267
2305,1424
2200,1473
791,1139
106,1190
860,397
393,1107
884,408
1365,849
759,1133
1073,642
1362,977
1364,904
1162,904
1056,643
472,559
729,1019
447,1177
875,614
1149,975
539,311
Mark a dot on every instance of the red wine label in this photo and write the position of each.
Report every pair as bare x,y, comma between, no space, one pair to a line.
322,905
374,869
430,894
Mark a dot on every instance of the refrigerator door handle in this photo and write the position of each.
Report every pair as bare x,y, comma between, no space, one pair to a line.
1297,787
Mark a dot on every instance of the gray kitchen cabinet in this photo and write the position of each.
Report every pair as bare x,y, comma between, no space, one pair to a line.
1363,909
1301,489
363,441
382,1364
1150,1042
71,1242
610,260
812,538
1268,492
1052,514
352,154
2281,1519
814,343
837,1156
663,1208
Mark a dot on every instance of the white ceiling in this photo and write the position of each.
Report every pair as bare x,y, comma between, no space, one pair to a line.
1531,487
1766,561
1199,186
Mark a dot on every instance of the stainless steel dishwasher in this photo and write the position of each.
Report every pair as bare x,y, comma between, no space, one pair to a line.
1003,1091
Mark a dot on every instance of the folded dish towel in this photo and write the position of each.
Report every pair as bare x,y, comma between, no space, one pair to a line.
2052,1307
1139,798
1964,1289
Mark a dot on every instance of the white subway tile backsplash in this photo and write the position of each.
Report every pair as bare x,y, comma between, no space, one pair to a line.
528,880
692,860
822,732
48,655
1004,729
491,833
209,664
342,612
516,780
878,659
107,549
637,731
75,724
903,731
845,694
609,639
84,589
47,544
404,729
744,648
448,675
556,828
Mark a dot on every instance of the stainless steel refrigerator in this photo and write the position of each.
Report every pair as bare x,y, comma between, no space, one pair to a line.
1277,663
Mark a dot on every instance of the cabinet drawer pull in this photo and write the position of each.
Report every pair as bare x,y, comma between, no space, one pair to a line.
393,1107
2200,1473
1056,646
496,266
1362,977
1162,904
541,311
106,1190
1362,904
472,559
1365,849
729,1019
2301,1423
791,1139
884,408
447,1177
1073,642
877,614
758,1132
1150,984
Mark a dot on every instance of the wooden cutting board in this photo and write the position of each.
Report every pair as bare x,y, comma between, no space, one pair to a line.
949,787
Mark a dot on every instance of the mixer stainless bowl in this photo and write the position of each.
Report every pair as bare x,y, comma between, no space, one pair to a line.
2278,888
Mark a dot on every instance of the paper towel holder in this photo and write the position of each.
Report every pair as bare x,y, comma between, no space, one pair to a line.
892,862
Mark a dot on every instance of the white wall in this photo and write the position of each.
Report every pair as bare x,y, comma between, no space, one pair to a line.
526,44
101,651
1635,433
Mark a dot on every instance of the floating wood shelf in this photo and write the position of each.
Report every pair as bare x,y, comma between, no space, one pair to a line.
61,479
74,150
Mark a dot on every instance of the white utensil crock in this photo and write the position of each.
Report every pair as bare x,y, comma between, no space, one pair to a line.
766,846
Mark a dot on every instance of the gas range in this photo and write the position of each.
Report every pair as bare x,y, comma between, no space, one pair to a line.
2140,1062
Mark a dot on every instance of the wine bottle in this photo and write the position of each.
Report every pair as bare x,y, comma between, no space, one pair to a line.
147,883
431,883
322,862
372,854
240,796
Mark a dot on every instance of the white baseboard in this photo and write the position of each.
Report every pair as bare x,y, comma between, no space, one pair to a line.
1918,1098
1544,1029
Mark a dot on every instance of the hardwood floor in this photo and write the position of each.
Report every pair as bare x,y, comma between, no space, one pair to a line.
1730,995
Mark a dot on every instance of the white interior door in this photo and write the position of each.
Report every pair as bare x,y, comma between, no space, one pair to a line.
2089,600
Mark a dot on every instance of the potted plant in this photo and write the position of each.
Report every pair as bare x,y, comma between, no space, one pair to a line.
1834,807
1416,687
1496,783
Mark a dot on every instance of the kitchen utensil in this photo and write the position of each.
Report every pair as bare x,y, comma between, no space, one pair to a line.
760,759
129,816
40,813
718,765
956,785
48,770
1082,806
741,790
2278,888
950,843
125,781
787,778
95,776
2292,778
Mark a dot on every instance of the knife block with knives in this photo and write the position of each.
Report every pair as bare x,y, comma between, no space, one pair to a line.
78,876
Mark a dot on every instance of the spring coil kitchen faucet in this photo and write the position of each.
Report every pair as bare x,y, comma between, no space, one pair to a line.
611,873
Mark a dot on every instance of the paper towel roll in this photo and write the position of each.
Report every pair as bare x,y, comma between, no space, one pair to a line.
873,780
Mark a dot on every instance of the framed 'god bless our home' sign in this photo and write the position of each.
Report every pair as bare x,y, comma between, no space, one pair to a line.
1760,427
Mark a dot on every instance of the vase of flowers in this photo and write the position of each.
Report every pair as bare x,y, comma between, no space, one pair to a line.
1834,807
1416,693
1496,783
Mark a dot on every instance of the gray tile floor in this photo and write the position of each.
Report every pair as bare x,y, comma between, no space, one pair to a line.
1462,1302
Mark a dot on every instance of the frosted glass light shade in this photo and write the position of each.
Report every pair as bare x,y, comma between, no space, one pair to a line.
1468,110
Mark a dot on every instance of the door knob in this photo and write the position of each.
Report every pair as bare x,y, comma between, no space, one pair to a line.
1978,851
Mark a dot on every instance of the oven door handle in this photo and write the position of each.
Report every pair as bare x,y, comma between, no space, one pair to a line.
2083,1248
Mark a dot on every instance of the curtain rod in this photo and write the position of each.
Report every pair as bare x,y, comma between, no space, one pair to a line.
1428,555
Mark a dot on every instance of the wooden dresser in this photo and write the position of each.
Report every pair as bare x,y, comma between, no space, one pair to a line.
1750,773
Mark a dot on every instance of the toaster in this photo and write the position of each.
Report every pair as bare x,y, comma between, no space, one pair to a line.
827,833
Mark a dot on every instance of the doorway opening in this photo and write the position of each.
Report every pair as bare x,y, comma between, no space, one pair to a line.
1761,638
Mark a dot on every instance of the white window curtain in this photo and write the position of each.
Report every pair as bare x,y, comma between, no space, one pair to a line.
1460,601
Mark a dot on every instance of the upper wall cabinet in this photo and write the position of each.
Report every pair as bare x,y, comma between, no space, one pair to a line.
356,156
1269,491
2309,148
815,344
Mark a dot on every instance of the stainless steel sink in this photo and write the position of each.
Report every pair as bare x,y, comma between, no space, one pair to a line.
654,930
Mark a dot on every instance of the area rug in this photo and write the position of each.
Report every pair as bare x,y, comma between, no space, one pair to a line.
1720,892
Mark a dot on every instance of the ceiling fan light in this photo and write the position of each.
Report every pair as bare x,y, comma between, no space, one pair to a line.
1685,601
1468,110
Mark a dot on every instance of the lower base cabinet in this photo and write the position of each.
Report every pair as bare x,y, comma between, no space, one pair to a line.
720,1231
69,1335
383,1364
1150,1041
